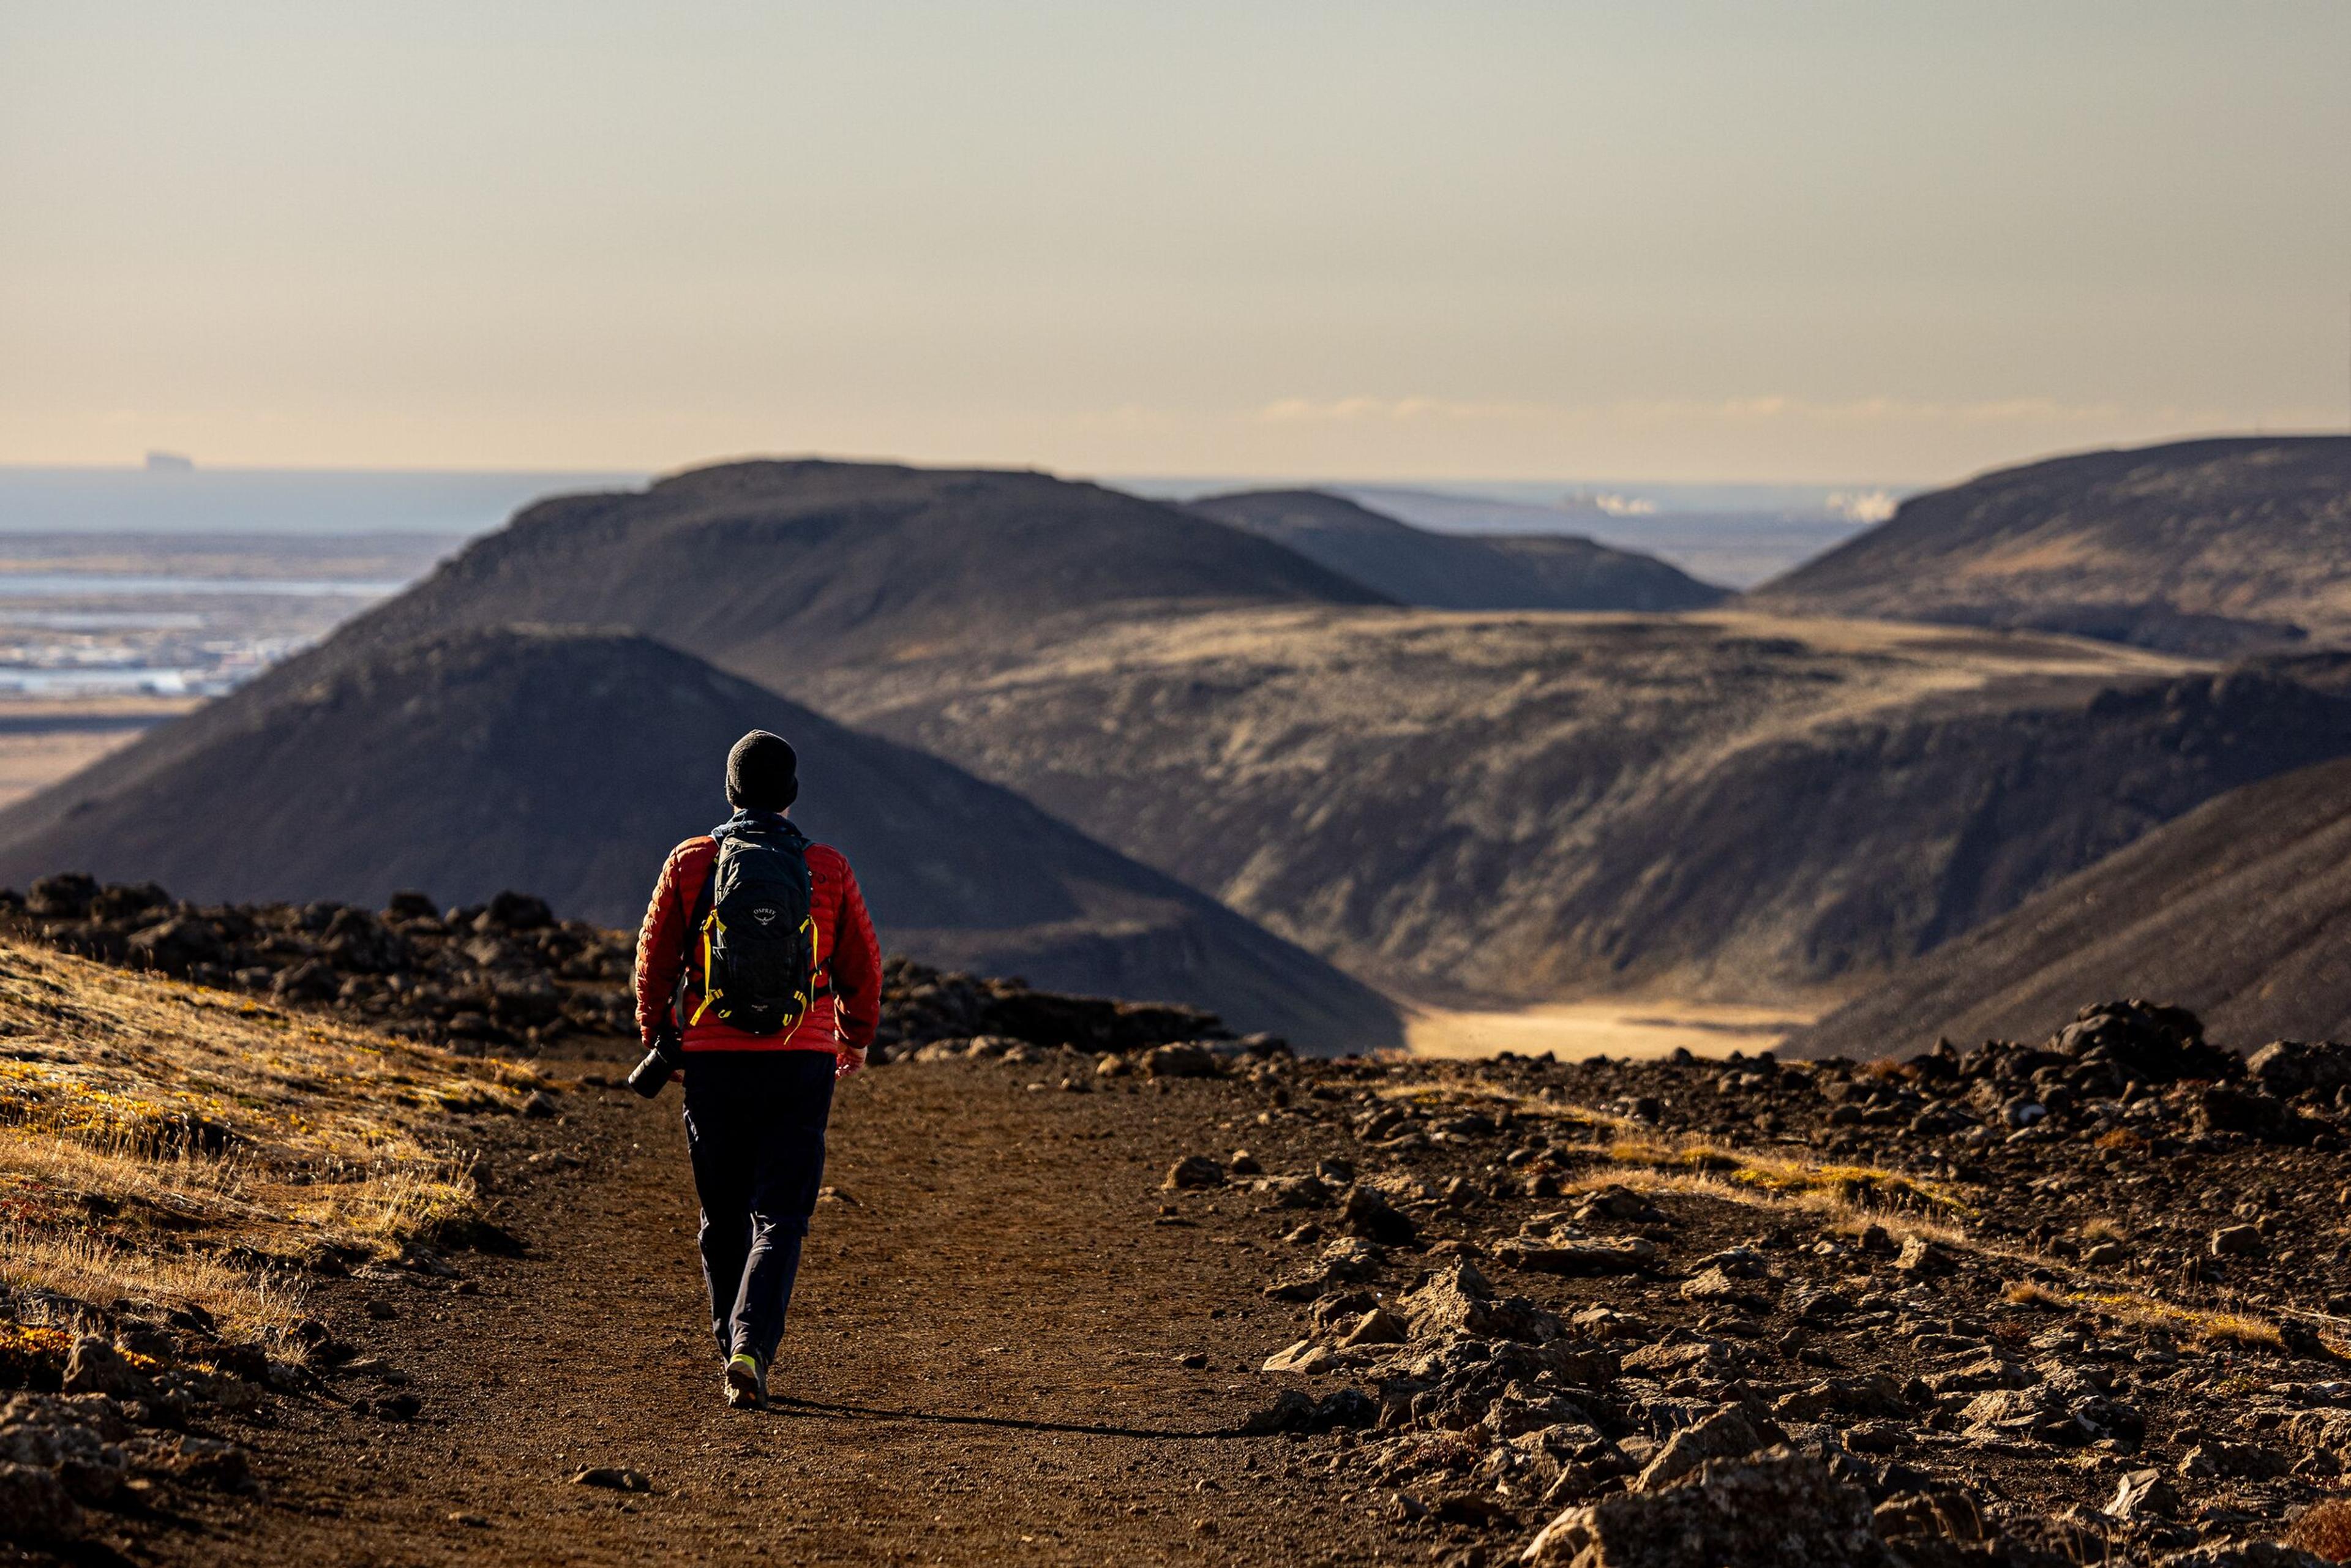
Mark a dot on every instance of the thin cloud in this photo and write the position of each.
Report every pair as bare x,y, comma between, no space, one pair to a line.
1766,409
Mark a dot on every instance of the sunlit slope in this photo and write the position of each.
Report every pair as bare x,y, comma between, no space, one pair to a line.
2203,545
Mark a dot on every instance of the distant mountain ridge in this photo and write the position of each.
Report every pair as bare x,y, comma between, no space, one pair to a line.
2207,547
776,567
1458,805
1458,571
570,763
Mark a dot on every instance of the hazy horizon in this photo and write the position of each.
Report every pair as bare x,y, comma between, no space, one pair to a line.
1734,534
1693,241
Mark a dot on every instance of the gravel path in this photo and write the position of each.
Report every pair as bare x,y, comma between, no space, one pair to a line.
984,1362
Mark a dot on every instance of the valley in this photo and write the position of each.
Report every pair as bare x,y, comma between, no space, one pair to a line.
1756,805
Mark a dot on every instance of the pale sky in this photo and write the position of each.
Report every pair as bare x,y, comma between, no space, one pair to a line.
1886,241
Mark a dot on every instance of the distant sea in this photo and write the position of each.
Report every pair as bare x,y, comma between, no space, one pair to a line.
199,500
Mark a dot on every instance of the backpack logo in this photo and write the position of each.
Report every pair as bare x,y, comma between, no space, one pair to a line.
764,916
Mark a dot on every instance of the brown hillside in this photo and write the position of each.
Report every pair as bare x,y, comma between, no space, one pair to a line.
1525,806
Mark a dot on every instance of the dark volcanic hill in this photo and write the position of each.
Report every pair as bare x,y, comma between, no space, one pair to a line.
1455,571
2200,547
568,764
2239,910
772,569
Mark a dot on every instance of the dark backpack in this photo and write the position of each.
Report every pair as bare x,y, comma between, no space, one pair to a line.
752,952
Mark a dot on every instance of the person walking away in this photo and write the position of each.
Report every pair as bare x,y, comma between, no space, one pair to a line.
758,975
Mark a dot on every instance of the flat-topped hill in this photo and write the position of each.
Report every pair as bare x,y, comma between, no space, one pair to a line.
1456,571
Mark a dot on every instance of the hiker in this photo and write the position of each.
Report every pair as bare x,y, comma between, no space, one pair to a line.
758,974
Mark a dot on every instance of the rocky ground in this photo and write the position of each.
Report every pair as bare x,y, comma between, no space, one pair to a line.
2020,1305
506,976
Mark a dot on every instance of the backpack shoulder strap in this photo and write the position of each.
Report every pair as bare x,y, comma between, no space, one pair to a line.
698,913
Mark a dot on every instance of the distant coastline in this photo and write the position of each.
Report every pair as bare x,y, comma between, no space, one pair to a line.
1739,535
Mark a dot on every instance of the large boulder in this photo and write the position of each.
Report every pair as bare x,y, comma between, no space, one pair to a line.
2146,1040
1183,1060
65,896
360,943
1459,1302
2291,1067
97,1367
35,1508
177,945
1371,1217
512,910
2264,1117
1729,1433
1774,1510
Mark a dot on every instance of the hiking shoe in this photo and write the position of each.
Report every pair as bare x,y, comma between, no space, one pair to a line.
747,1382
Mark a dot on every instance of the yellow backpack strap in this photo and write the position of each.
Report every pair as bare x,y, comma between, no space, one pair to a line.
709,989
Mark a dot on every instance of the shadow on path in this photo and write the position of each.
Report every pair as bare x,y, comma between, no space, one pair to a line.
784,1405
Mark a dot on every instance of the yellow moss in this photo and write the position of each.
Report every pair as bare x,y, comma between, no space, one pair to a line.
2205,1324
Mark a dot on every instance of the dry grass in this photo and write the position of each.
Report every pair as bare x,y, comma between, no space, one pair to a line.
163,1142
2207,1324
1849,1196
2202,1322
1859,1189
1842,1197
1844,1188
2324,1529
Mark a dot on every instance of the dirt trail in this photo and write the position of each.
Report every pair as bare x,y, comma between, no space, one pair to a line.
984,1353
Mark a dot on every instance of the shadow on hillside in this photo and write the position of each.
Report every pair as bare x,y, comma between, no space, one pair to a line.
785,1406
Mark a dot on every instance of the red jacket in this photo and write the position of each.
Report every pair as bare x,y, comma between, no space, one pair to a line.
845,1016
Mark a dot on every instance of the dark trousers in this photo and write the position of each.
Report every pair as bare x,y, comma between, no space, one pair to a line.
755,1122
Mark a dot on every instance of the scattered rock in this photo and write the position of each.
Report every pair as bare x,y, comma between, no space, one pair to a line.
1607,1255
1927,1259
1194,1172
1297,1192
2143,1494
1179,1061
1378,1326
1728,1433
1305,1357
1296,1411
612,1479
97,1367
1945,1513
35,1508
2238,1241
1371,1216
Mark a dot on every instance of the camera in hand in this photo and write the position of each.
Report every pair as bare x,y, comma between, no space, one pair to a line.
659,1062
